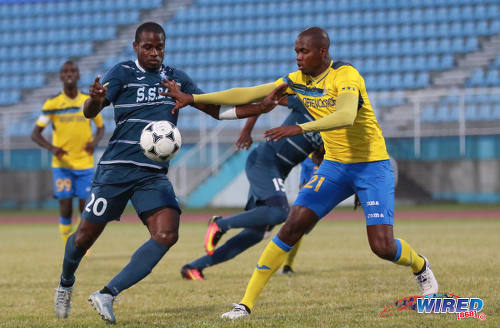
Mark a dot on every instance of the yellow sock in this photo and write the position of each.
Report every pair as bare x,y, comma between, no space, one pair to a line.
66,231
271,259
408,256
291,255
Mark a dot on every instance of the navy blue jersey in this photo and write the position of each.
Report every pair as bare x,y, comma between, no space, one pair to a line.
133,92
292,150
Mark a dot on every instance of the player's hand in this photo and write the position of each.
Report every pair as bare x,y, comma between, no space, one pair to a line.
89,147
274,98
181,99
59,152
97,91
244,141
282,131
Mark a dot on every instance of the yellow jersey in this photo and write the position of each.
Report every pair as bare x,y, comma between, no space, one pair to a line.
70,130
361,142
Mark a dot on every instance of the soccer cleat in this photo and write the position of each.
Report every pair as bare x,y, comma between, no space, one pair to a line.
213,235
238,311
426,281
191,273
103,303
287,270
62,301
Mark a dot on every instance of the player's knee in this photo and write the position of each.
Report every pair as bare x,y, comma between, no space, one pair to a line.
166,238
383,248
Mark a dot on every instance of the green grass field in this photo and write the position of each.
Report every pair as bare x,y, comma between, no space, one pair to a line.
338,283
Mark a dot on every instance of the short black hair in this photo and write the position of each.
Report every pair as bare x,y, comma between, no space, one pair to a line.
149,27
70,62
319,36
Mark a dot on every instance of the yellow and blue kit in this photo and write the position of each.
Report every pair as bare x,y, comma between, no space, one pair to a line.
71,131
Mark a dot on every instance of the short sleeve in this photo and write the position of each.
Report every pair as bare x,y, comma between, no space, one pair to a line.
43,120
348,80
187,84
98,121
112,81
282,80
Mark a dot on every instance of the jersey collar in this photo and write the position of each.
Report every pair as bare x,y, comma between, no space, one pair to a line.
139,66
317,79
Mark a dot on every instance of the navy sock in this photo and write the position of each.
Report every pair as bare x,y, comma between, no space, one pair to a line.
234,246
72,258
257,216
141,264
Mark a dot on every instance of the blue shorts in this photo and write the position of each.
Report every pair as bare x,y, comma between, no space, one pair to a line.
267,180
373,182
307,169
70,183
114,185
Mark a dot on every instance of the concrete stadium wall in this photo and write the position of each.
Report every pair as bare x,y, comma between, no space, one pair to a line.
463,181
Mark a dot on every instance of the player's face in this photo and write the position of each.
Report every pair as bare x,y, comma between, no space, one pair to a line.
309,57
150,50
69,74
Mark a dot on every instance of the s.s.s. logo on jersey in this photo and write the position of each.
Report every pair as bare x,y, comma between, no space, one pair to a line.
147,93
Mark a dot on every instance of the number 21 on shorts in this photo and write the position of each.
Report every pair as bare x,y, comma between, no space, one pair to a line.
314,180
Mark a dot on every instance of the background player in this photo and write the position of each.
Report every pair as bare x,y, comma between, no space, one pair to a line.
356,161
72,144
267,167
124,173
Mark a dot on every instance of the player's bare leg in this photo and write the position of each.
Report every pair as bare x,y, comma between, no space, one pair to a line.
65,213
385,246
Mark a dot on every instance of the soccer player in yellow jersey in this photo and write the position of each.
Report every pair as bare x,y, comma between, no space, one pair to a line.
72,144
355,161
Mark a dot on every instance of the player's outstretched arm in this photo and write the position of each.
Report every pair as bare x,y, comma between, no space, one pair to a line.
343,116
97,100
231,97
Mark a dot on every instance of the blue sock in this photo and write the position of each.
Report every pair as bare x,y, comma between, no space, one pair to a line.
141,264
64,221
257,216
72,258
234,246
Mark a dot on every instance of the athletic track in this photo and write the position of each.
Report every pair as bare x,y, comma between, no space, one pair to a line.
339,215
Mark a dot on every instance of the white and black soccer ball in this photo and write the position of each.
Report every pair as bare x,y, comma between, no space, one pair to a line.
160,141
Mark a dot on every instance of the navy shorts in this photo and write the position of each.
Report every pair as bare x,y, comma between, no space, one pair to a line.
267,180
373,182
69,183
114,185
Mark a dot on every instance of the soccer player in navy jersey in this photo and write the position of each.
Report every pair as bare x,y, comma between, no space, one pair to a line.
267,167
124,173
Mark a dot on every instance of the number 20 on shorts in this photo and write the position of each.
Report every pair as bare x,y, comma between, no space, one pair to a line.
313,180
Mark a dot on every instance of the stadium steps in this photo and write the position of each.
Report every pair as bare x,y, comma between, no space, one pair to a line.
398,120
205,192
488,51
33,99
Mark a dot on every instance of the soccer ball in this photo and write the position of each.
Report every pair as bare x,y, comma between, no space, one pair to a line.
160,141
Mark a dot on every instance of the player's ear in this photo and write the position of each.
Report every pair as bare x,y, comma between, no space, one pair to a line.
136,46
